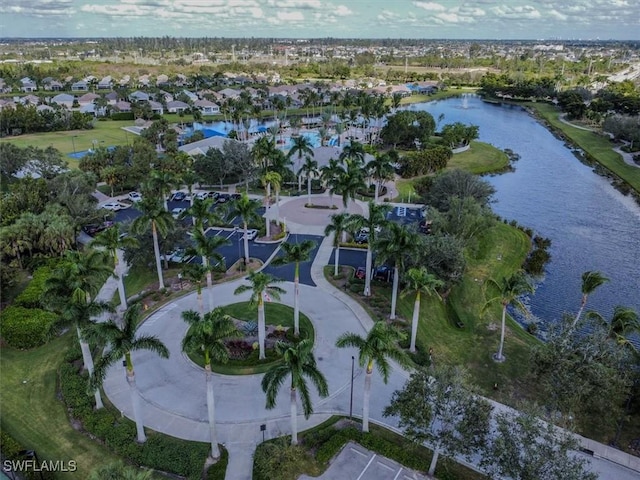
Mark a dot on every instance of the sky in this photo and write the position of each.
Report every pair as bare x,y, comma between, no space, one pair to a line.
444,19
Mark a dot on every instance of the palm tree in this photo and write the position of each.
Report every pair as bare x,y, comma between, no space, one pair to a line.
300,364
309,169
159,220
269,179
112,240
302,146
162,182
590,281
397,244
375,220
377,348
624,321
71,291
380,170
338,225
419,281
123,341
247,210
354,151
202,214
330,175
295,253
509,290
197,274
261,286
207,334
190,178
206,247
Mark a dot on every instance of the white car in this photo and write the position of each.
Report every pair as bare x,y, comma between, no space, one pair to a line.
179,256
176,212
202,195
251,234
135,196
113,206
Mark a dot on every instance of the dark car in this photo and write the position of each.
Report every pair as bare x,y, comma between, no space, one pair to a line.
95,228
223,197
213,195
361,272
235,196
362,237
425,227
382,273
179,196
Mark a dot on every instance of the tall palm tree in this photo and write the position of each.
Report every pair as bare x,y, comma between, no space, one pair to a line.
330,175
419,281
308,169
247,210
380,169
197,274
207,334
202,213
269,179
261,285
508,292
348,182
206,247
374,221
376,349
112,240
624,321
301,146
159,220
122,341
190,178
338,225
71,291
299,364
295,253
354,151
162,182
395,245
591,280
263,151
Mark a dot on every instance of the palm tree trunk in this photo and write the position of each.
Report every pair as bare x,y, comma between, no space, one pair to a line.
365,398
367,278
210,290
156,250
267,206
200,300
87,359
246,241
414,323
394,293
137,410
261,326
582,305
121,292
504,317
375,194
309,190
296,299
215,450
294,417
434,461
336,260
277,205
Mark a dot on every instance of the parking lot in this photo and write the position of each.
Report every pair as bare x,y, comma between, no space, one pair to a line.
355,462
287,272
235,250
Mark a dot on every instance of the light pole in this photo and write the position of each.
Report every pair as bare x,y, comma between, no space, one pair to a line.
73,143
353,359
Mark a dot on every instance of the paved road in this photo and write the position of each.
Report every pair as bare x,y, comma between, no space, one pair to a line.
287,272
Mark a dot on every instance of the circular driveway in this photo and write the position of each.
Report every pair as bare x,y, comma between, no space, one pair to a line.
294,210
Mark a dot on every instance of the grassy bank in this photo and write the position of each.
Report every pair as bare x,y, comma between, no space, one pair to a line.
598,147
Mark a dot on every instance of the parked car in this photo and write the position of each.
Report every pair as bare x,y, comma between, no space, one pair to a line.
179,196
113,206
251,234
135,196
176,212
213,195
362,237
179,255
361,272
223,197
382,273
202,195
95,228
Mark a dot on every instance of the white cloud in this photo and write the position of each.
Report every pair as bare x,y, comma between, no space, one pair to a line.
37,7
290,16
516,13
305,4
342,11
430,6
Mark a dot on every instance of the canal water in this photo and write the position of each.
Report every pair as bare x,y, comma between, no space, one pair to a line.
591,225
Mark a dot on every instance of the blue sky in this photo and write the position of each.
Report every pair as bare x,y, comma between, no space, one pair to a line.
491,19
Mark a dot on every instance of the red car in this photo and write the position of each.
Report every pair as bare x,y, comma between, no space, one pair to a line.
360,273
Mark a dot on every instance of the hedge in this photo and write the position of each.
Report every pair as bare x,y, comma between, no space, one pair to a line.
160,452
31,296
24,327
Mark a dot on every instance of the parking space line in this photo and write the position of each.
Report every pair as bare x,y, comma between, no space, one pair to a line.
398,474
365,468
230,234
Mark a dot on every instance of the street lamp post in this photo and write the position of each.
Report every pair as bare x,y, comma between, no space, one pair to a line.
353,359
73,143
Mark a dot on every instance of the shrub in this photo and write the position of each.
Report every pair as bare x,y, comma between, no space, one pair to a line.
31,296
11,449
26,327
278,460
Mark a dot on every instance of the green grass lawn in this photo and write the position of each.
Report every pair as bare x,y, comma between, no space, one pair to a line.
275,314
481,158
138,279
599,147
35,417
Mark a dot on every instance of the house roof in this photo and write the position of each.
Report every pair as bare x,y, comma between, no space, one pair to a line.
63,98
177,104
88,98
201,146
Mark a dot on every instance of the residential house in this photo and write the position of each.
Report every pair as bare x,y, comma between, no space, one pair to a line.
166,96
143,81
4,88
139,96
111,98
156,107
122,106
162,80
52,85
192,96
106,83
202,146
206,107
44,108
177,106
64,100
6,104
27,85
29,100
87,98
80,86
229,93
181,80
124,81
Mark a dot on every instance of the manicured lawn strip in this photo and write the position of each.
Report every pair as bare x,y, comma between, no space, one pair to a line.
35,417
325,441
109,131
139,279
275,314
598,147
480,159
